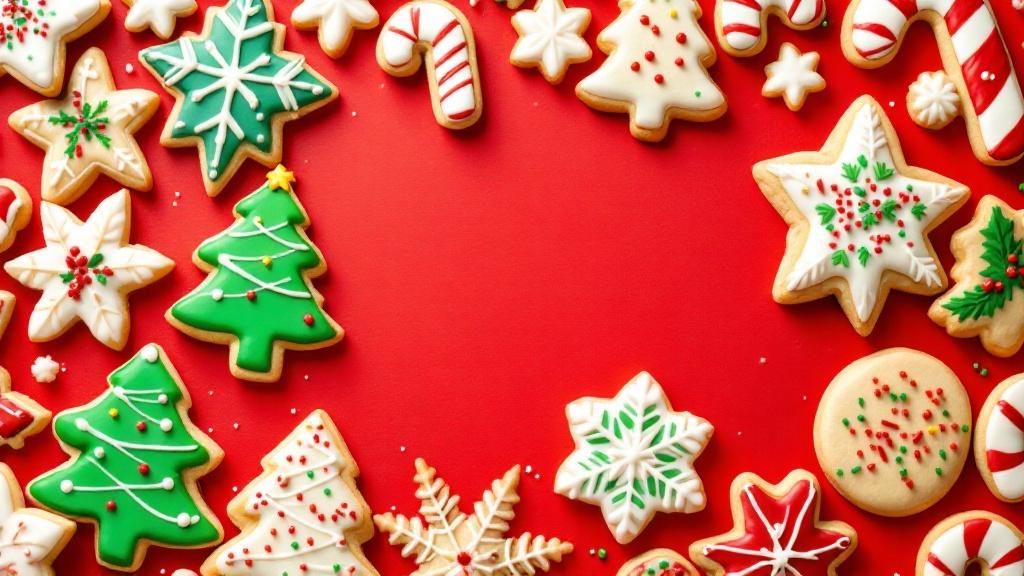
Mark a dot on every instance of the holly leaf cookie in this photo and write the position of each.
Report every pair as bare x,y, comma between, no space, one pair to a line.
859,218
135,460
160,16
988,275
308,491
89,132
15,211
31,539
20,417
34,35
776,531
335,21
452,542
634,457
550,38
235,87
86,271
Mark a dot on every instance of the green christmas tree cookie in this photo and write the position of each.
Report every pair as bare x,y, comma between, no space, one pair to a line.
259,297
135,460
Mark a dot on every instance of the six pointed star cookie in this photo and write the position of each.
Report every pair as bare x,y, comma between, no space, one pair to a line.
86,271
160,16
634,457
550,38
34,34
859,218
793,76
335,19
89,132
235,88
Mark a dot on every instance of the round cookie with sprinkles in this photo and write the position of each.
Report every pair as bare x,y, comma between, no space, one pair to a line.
659,562
893,431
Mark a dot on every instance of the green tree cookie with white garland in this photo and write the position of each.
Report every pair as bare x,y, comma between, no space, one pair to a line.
135,459
259,296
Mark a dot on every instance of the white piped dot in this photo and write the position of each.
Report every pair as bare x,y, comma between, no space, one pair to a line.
260,117
129,68
162,398
217,294
166,425
67,486
81,424
99,452
184,520
167,483
150,353
261,138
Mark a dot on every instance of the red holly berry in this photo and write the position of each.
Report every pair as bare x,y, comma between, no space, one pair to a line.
988,285
111,505
1012,259
251,295
1011,272
999,287
144,469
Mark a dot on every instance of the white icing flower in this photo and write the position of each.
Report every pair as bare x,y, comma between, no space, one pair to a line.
45,369
550,38
933,100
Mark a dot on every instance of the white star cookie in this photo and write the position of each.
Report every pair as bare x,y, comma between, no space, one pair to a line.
86,271
336,19
859,218
550,38
160,16
933,100
793,77
89,132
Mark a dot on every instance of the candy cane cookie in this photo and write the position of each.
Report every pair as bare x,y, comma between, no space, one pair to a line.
740,23
973,54
970,538
441,32
999,441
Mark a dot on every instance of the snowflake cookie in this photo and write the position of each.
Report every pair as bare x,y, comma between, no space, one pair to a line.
335,20
15,211
551,38
89,132
34,35
659,562
20,417
160,16
634,457
859,218
31,539
989,272
450,542
235,88
308,491
86,271
793,76
777,531
933,101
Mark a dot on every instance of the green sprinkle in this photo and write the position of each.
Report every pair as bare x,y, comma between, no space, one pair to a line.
945,413
938,471
984,372
327,491
310,474
910,187
899,459
903,397
295,545
892,396
903,472
902,233
336,568
964,428
1021,187
860,401
855,470
664,564
903,449
860,418
840,472
697,93
942,453
846,422
602,553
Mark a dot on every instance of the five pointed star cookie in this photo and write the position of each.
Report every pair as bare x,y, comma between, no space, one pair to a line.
160,16
86,271
550,38
335,19
89,132
859,218
634,457
34,34
235,88
793,76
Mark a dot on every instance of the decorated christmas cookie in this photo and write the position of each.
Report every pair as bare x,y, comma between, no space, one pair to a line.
20,417
7,301
793,76
979,539
259,297
634,457
973,54
15,211
34,35
447,541
135,459
160,16
30,539
988,297
89,132
999,441
933,100
859,218
656,68
86,271
893,430
550,38
335,20
439,32
235,88
659,562
777,531
740,23
304,514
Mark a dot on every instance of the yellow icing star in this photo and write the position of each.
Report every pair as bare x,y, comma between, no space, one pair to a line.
280,178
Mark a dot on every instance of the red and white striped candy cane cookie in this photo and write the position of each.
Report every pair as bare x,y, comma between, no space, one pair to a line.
441,31
740,23
969,538
974,55
999,440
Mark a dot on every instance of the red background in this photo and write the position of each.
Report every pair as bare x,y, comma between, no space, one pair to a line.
488,278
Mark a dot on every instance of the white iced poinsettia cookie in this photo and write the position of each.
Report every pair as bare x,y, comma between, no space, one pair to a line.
160,16
15,211
963,543
86,271
634,457
30,539
793,76
34,34
859,218
933,101
89,132
335,21
550,38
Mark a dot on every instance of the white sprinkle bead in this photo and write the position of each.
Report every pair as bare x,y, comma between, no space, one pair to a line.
166,425
67,487
99,452
150,353
217,294
167,483
129,68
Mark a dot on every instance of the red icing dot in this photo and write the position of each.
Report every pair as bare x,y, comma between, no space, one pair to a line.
308,319
681,38
251,295
680,61
111,505
649,56
635,66
659,78
141,426
465,559
144,469
645,20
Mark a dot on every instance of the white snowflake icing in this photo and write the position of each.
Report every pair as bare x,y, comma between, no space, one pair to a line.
933,100
336,19
550,37
158,15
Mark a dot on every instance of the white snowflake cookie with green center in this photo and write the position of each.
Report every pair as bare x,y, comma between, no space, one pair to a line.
634,457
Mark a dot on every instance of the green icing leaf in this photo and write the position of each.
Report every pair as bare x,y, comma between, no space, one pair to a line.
840,258
918,210
851,172
889,208
883,171
863,255
826,212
